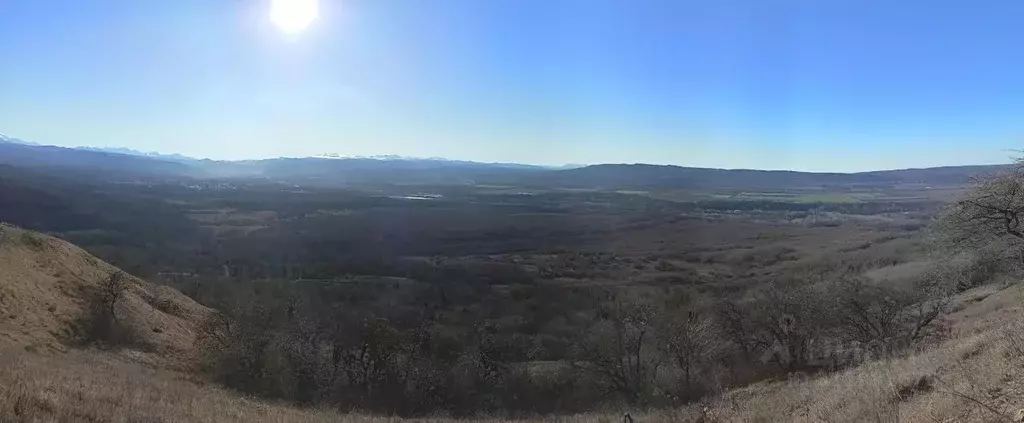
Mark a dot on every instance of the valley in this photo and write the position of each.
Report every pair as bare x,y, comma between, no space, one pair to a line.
501,292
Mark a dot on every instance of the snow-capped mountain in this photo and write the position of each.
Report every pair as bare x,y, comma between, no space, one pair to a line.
436,160
379,157
344,160
5,138
131,152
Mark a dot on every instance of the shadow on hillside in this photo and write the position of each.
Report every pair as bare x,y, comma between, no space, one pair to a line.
104,322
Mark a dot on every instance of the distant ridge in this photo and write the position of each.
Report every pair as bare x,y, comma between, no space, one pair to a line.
441,160
333,169
645,176
130,152
5,138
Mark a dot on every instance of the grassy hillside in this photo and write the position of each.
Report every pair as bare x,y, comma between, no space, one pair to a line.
52,296
972,377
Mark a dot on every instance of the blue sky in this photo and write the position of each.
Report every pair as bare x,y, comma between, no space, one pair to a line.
841,85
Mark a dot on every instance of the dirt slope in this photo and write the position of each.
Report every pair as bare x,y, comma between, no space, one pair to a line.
48,287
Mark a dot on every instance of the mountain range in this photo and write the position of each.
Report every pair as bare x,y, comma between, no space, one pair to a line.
122,164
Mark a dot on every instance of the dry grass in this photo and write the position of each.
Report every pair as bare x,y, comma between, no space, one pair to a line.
92,386
84,386
47,289
98,386
975,376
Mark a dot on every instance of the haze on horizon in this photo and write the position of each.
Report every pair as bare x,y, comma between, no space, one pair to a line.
843,85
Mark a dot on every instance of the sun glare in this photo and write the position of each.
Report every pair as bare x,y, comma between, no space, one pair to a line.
292,16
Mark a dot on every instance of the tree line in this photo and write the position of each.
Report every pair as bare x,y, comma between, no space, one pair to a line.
620,347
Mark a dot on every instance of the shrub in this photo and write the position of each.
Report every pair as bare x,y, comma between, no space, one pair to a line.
101,323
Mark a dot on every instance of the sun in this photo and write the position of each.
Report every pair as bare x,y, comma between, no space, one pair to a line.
292,16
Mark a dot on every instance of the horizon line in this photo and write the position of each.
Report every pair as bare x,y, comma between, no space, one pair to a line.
383,157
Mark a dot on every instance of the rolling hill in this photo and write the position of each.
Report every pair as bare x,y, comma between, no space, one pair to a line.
644,176
48,290
92,164
110,164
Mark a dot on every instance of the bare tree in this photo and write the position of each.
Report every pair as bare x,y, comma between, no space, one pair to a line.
878,314
989,213
111,291
238,349
739,327
618,349
779,323
102,323
690,340
370,360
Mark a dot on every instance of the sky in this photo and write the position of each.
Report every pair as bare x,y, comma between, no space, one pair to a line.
819,85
